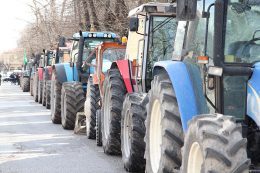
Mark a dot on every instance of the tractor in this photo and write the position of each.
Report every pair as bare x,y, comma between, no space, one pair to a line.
106,53
25,76
69,80
38,64
151,37
204,107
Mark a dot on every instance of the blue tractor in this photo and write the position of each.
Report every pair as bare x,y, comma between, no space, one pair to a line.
69,80
203,113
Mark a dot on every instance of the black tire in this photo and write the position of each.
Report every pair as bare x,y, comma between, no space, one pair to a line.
72,102
44,91
167,116
98,128
90,108
48,94
220,141
35,87
40,86
133,130
114,94
26,84
31,86
55,99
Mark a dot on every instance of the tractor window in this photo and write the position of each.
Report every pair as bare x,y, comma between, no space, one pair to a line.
74,52
195,46
242,32
161,39
113,54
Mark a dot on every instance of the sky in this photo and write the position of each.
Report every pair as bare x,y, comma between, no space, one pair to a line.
14,16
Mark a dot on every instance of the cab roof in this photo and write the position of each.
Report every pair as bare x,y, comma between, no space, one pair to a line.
153,7
88,34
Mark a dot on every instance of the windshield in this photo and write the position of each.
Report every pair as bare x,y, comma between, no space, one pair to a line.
49,58
113,54
243,32
90,44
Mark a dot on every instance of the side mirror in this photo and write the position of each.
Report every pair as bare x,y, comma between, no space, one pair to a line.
134,24
186,10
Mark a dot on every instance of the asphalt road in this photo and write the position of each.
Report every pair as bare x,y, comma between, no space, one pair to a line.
30,143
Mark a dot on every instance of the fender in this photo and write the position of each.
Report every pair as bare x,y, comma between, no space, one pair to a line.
253,95
187,84
124,68
40,73
64,72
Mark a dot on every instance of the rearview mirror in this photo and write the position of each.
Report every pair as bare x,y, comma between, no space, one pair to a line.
186,10
134,24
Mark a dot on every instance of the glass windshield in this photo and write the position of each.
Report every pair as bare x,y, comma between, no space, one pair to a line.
50,56
243,32
113,54
90,44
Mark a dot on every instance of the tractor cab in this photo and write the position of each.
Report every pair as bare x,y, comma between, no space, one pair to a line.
83,48
152,33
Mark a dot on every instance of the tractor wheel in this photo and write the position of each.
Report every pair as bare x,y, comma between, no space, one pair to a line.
214,143
90,108
164,132
72,102
55,99
40,86
35,87
31,87
48,94
133,131
44,92
98,128
26,84
114,95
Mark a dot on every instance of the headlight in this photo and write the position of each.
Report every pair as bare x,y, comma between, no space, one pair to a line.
89,35
94,35
105,35
109,35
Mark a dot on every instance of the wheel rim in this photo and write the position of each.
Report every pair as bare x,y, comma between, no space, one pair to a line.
127,134
155,136
106,114
195,159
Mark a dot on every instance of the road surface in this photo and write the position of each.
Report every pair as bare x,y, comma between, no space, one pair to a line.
30,143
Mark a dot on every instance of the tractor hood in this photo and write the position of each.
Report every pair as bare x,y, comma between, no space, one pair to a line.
253,95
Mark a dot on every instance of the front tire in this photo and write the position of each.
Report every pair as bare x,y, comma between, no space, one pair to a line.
55,99
48,94
90,108
40,86
214,143
72,102
164,134
133,131
114,95
98,128
35,87
44,92
26,84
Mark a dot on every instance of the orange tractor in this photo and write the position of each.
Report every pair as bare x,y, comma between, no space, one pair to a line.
106,54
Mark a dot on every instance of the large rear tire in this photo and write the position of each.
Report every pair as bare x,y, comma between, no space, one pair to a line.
31,86
133,131
114,95
90,108
72,102
35,87
55,99
48,94
40,86
98,128
44,91
164,134
26,84
214,143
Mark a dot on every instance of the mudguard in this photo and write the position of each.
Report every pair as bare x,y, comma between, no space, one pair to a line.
124,68
187,85
40,73
253,95
64,72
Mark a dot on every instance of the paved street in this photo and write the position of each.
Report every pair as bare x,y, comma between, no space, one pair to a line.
30,143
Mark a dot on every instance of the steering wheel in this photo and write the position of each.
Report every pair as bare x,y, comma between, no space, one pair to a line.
254,36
